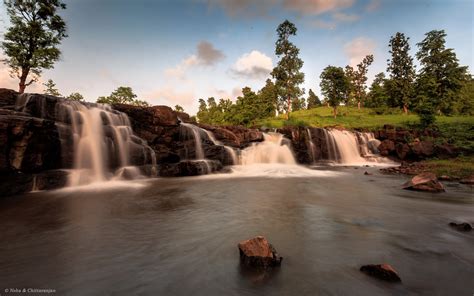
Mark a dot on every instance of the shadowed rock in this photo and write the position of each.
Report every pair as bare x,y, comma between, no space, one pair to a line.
424,182
461,226
468,181
381,271
259,253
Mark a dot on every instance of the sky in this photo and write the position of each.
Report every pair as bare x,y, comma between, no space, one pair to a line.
174,51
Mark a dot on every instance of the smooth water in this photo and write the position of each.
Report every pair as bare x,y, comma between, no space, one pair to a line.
179,236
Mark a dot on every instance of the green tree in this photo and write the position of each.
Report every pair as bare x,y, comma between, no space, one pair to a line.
402,72
50,88
360,78
122,95
287,73
441,78
268,99
203,113
350,96
377,96
178,108
465,103
313,100
31,42
334,86
76,97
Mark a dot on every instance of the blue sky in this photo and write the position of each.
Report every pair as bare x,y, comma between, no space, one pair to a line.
174,52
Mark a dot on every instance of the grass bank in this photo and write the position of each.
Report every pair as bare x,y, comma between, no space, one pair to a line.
460,167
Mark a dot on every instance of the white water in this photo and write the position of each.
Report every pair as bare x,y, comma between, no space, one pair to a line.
348,147
230,150
271,150
93,153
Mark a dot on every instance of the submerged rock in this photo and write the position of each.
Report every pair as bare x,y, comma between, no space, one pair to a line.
424,182
461,226
367,173
381,271
258,252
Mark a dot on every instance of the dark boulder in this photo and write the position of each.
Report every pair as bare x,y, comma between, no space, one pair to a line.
386,147
381,271
468,181
188,168
461,226
422,149
424,182
7,98
258,253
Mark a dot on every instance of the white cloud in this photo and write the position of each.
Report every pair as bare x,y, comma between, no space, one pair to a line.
315,7
373,5
358,48
206,55
253,65
171,97
244,8
232,95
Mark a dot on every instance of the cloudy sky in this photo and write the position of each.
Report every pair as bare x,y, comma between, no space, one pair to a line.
174,51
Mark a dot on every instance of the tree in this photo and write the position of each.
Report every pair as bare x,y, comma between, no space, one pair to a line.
465,104
402,72
178,108
334,85
350,96
268,98
441,78
51,88
313,100
377,96
202,113
31,43
287,72
76,97
360,78
122,95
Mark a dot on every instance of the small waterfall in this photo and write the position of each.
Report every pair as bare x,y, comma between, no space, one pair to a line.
196,132
271,150
230,150
348,146
102,139
311,146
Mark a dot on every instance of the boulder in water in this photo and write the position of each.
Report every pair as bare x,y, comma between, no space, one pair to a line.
381,271
424,182
468,181
258,253
461,226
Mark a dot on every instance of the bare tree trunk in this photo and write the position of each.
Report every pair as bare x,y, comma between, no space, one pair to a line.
358,105
405,109
22,84
335,111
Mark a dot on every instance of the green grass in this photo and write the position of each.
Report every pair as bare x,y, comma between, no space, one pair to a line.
460,167
352,118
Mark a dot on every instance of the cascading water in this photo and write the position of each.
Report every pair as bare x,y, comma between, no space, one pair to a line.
230,150
270,151
346,143
102,139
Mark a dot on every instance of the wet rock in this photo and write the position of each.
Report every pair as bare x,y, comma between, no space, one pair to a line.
7,98
422,149
386,147
367,173
15,183
381,271
424,182
468,181
258,253
402,150
461,226
445,178
189,168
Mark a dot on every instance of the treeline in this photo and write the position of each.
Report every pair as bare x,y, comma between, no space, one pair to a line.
440,87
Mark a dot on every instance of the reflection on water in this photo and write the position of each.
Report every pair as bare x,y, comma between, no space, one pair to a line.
179,236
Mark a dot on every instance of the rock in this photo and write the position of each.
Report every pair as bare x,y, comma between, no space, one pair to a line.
189,168
367,173
386,147
424,182
184,117
7,97
381,271
258,253
469,180
422,149
445,178
461,226
446,151
402,150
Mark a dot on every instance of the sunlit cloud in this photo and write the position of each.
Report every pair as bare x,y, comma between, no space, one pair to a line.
358,48
253,65
315,7
373,5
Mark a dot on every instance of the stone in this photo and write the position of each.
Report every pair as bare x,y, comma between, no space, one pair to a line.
367,173
424,182
189,168
258,253
461,226
468,181
386,147
402,150
7,97
422,149
381,271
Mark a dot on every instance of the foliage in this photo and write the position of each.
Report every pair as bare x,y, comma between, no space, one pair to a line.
334,85
51,88
178,108
298,104
360,78
76,97
287,73
31,43
312,100
377,97
122,95
441,78
402,72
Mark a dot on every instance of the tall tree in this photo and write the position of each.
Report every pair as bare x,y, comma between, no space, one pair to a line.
441,78
350,96
377,96
360,78
287,72
402,71
122,95
50,88
268,98
31,43
313,100
334,85
203,113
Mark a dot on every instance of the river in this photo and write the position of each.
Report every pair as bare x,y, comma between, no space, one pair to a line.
179,236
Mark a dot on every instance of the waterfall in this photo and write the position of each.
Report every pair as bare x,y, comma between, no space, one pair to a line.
271,150
230,150
103,140
311,146
348,146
